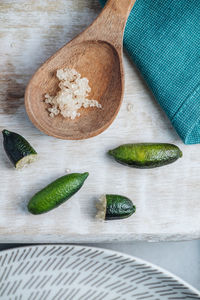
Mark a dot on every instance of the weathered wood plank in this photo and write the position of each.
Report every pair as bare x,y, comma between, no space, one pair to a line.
167,199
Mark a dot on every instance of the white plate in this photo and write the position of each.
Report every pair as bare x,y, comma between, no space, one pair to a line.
58,272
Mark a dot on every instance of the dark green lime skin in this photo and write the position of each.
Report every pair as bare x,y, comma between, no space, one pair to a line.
56,193
146,155
16,147
118,207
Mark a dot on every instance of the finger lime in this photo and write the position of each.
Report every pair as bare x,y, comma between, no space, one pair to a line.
56,193
146,155
114,207
18,149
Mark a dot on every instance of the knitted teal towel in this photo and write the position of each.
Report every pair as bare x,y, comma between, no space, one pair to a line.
163,39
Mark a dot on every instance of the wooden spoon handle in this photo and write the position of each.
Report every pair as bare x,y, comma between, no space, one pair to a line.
110,24
120,7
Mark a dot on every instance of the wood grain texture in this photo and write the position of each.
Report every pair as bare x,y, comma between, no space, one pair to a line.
167,198
96,54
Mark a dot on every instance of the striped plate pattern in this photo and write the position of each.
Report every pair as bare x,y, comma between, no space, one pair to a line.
58,272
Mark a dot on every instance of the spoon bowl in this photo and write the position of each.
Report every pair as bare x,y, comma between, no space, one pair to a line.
96,58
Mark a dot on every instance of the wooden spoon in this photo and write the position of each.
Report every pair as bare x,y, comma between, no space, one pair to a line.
96,54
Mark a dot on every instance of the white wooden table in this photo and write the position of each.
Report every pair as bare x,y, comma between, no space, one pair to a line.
167,198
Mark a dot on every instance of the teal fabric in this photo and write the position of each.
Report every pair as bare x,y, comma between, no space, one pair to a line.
163,39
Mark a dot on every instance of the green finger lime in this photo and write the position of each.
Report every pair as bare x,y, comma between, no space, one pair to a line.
56,193
18,149
114,207
146,155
